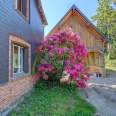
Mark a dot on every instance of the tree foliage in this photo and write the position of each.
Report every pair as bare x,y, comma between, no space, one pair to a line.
105,18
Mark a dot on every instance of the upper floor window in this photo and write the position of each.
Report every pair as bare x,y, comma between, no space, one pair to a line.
22,7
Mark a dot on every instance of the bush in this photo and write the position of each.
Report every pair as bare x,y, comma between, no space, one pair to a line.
62,52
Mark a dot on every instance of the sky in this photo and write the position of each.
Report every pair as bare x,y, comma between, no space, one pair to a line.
55,9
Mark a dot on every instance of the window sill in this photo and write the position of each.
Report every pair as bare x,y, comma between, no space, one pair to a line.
20,75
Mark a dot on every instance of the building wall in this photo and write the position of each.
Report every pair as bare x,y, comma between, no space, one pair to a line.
12,91
11,22
93,43
87,37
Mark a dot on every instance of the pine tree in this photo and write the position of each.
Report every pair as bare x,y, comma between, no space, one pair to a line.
105,18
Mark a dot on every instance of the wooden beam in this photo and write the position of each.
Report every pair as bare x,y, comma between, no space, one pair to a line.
95,48
103,60
73,12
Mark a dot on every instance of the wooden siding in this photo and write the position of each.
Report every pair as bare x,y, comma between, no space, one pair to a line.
87,37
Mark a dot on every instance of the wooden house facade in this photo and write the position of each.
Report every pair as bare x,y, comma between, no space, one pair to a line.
90,36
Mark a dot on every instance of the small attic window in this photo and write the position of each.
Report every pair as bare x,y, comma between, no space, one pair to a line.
22,7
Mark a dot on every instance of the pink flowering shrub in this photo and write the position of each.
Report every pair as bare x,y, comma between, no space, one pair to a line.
63,52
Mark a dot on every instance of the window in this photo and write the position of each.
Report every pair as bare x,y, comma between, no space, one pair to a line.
18,52
22,7
19,57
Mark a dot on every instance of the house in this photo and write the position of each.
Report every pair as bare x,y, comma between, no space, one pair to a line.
21,31
90,36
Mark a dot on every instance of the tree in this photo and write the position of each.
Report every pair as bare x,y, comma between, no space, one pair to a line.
105,18
62,52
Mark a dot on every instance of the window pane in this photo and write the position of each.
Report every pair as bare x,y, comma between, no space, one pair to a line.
24,7
19,5
15,59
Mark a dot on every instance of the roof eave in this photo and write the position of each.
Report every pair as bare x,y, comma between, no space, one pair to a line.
109,40
89,22
40,9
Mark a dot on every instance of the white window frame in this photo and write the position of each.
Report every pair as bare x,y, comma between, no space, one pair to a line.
20,64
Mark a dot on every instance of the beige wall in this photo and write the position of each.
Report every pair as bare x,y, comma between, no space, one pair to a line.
87,38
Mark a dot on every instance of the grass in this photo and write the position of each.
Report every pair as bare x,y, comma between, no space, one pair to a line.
110,68
110,64
53,101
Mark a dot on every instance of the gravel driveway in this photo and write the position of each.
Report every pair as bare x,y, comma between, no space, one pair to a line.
101,93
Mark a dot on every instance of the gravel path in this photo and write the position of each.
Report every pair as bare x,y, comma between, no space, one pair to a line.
101,93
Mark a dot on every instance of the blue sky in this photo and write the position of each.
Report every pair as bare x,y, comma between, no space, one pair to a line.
55,9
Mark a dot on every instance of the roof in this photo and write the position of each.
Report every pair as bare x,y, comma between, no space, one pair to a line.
40,9
88,21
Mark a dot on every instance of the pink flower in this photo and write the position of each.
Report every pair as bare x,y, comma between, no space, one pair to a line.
68,82
67,62
84,53
88,67
60,56
57,61
42,68
75,75
79,58
88,76
41,54
49,68
49,65
44,62
77,67
45,77
67,67
69,71
38,76
50,54
60,52
82,70
81,84
53,71
50,39
74,56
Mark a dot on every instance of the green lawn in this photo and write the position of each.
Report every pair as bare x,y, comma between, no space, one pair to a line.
110,68
53,101
110,64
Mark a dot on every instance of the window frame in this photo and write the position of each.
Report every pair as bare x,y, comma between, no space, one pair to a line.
27,57
22,59
27,9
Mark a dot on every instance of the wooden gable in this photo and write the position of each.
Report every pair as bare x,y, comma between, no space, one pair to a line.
90,35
